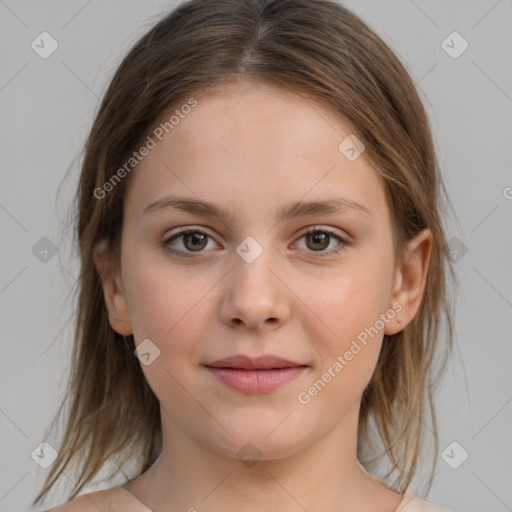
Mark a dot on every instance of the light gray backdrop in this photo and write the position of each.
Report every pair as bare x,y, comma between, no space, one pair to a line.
47,106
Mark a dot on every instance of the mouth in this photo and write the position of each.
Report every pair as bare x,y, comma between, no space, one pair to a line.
255,375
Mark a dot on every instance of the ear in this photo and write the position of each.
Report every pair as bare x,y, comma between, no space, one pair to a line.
113,291
410,280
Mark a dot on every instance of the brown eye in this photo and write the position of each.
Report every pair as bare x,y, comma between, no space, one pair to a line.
195,241
317,241
187,241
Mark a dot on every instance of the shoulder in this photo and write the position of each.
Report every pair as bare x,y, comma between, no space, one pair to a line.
412,503
91,502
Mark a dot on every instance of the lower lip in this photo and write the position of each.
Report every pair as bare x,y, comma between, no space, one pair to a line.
256,381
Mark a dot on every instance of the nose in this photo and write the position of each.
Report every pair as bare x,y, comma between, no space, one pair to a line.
255,295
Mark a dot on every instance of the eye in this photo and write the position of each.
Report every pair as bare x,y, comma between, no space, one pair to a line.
193,240
319,239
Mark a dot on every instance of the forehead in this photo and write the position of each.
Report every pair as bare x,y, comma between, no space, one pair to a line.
249,143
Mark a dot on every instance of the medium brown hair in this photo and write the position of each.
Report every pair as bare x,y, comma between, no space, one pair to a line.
316,48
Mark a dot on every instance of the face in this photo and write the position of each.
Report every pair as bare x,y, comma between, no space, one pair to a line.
253,283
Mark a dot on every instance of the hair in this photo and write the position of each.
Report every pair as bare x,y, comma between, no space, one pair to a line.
316,48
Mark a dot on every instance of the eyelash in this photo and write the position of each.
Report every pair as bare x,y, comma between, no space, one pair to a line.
189,254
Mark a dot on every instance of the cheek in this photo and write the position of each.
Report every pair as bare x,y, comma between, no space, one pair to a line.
170,307
348,327
347,342
349,301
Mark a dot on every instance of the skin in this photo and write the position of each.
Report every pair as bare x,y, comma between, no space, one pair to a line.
252,148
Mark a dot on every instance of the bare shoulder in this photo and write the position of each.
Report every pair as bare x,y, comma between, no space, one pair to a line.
412,503
88,502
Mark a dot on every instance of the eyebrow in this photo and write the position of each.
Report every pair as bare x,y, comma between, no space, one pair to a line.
286,212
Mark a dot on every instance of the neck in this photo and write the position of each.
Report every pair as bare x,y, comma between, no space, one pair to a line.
324,475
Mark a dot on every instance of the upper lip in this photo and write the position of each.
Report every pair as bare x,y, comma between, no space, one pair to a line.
254,363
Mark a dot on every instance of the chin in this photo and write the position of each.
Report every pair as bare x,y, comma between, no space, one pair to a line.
255,438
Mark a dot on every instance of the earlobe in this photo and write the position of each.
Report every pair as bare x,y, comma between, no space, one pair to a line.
113,290
410,280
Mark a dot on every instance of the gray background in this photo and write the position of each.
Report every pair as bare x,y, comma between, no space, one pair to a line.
47,106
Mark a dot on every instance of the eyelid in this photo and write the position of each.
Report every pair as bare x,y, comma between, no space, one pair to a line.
186,229
326,229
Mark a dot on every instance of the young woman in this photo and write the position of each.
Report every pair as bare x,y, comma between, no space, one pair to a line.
263,269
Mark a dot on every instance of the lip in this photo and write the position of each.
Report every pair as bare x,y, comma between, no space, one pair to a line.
255,375
242,362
